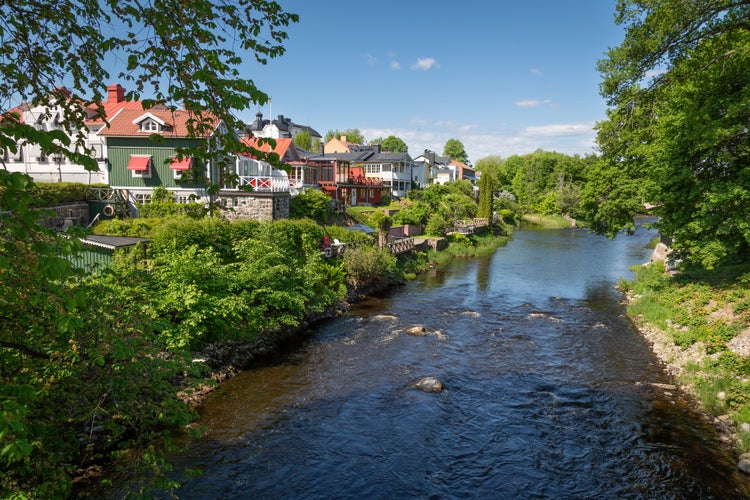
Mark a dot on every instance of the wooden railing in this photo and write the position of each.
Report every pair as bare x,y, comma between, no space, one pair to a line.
467,226
265,183
403,245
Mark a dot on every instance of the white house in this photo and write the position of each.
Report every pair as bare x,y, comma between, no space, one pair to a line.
30,159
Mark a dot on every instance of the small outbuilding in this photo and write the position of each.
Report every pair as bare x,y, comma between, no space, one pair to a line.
99,251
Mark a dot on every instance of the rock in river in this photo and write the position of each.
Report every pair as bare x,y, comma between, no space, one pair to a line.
429,384
417,331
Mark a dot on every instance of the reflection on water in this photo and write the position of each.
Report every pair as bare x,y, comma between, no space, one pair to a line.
548,394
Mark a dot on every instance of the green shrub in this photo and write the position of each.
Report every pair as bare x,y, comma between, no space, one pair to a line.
310,203
142,228
48,194
172,209
437,225
345,235
366,262
416,213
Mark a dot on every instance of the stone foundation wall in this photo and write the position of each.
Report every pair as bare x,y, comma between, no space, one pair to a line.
69,214
255,206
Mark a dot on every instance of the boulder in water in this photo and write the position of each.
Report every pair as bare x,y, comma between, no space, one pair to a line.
429,384
744,463
417,331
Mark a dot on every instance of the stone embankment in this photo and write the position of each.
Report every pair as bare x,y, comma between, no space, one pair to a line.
676,360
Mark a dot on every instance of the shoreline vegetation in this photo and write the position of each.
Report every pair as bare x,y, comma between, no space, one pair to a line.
698,325
227,359
371,273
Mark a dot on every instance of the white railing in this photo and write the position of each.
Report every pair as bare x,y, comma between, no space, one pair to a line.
265,183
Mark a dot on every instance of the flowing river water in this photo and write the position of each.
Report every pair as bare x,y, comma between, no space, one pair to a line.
549,392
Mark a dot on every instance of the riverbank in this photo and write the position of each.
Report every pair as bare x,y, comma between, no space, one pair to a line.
550,221
228,358
698,326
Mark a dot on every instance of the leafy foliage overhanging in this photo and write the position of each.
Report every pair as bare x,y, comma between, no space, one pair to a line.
676,137
84,374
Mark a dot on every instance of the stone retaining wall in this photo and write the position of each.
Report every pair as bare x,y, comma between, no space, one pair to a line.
258,206
69,214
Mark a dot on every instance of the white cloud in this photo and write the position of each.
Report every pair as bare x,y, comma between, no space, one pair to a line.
425,64
560,129
533,103
370,59
485,140
395,65
535,71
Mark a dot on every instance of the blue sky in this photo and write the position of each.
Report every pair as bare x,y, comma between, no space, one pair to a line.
503,77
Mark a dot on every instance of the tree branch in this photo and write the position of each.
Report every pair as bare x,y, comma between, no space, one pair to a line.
25,349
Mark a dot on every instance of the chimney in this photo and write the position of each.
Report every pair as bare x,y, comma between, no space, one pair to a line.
322,149
343,138
115,93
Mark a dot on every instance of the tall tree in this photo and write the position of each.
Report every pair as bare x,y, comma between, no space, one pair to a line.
456,151
394,144
484,210
303,140
493,165
60,337
352,135
676,136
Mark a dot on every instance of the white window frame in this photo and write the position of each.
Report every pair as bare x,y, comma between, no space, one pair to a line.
143,174
150,125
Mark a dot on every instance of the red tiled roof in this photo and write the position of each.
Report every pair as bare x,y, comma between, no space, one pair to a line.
126,122
282,145
114,103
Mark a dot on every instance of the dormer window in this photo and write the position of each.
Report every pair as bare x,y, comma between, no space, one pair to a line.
150,123
150,126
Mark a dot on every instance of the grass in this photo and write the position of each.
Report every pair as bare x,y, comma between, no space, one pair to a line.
461,246
548,221
703,311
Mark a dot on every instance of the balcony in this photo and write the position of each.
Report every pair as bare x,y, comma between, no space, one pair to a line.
265,183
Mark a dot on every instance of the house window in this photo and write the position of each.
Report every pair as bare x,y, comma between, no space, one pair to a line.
372,169
142,198
178,167
326,173
140,166
150,126
249,167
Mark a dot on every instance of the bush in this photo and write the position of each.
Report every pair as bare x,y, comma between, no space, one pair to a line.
48,194
345,235
142,228
365,263
437,225
172,209
416,213
310,203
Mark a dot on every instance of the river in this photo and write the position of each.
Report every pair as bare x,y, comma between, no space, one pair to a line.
549,392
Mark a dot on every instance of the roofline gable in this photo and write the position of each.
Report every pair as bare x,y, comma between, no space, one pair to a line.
146,116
